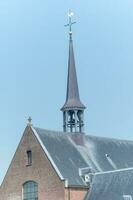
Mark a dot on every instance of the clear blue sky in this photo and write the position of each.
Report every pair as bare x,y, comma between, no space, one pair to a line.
33,67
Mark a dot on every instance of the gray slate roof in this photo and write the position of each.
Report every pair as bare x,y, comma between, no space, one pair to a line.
71,151
72,97
112,185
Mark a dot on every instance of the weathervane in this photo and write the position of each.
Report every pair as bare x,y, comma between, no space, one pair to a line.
70,14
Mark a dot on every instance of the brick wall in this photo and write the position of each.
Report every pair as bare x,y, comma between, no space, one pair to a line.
75,193
49,185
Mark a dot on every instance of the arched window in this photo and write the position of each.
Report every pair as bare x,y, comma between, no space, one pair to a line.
30,191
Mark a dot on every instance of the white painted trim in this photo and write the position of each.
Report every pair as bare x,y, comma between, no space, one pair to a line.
48,155
66,183
127,197
113,171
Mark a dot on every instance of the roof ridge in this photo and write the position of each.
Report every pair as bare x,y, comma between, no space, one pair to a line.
112,138
49,130
87,134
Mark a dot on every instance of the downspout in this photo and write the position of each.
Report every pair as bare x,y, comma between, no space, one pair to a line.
69,195
68,189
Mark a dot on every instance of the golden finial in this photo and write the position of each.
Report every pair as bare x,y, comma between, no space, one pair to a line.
29,121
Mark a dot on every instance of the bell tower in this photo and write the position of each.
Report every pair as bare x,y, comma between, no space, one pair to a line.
73,109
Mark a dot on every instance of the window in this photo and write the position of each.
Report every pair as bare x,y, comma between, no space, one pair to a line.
30,191
29,157
127,197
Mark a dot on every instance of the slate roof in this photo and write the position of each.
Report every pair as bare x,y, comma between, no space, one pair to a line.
112,185
72,96
71,151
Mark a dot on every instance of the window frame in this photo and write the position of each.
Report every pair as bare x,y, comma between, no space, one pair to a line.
23,191
127,197
29,157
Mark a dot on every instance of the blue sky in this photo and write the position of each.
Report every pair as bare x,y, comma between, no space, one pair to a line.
33,67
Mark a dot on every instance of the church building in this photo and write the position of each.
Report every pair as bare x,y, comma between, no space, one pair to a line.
72,164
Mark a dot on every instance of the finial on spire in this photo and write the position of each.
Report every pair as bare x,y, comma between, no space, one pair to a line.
29,121
70,14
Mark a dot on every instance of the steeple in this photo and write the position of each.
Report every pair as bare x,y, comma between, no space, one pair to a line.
73,108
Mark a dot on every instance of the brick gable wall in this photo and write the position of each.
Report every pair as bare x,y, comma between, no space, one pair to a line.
49,185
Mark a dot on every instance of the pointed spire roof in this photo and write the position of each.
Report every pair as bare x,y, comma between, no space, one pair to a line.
72,96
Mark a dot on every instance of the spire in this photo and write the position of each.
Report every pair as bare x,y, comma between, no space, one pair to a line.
73,103
72,96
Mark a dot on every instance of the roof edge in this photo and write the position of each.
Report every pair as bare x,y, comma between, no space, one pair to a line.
48,155
72,107
114,171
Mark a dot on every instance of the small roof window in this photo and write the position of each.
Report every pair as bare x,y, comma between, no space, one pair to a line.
127,197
